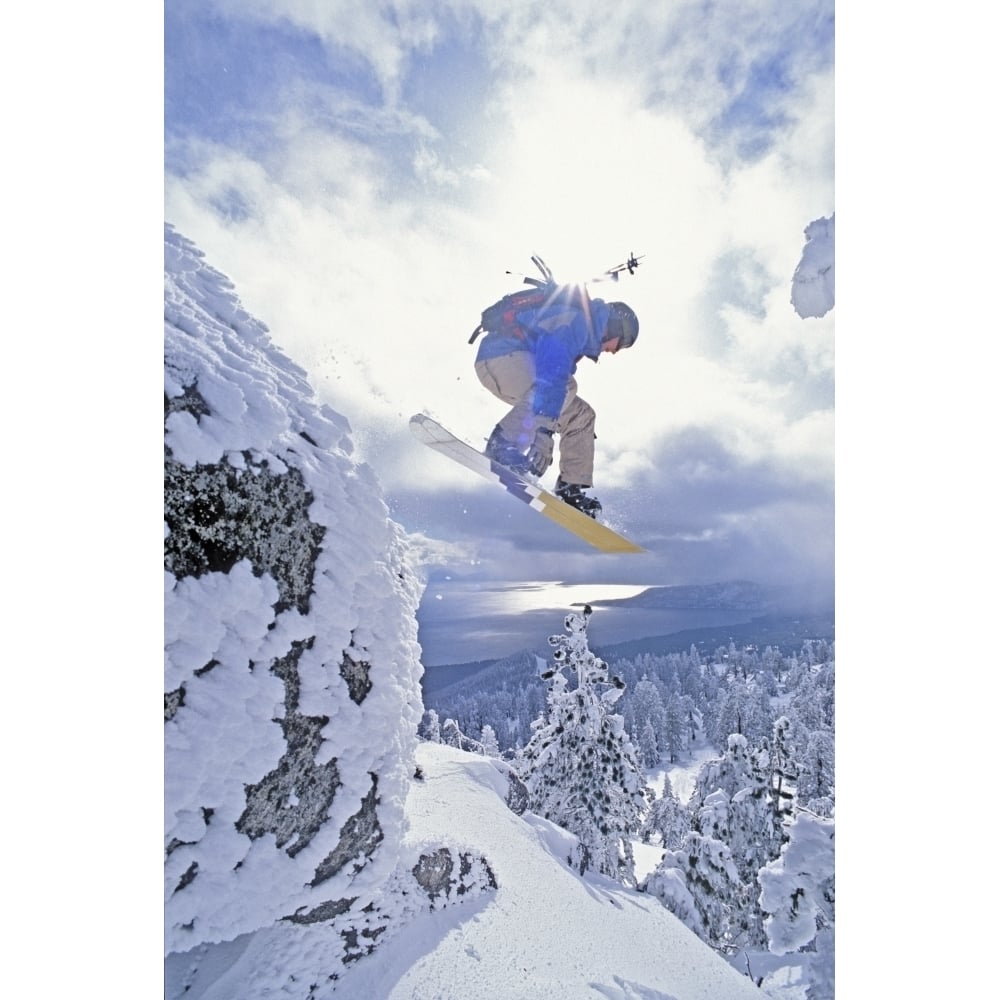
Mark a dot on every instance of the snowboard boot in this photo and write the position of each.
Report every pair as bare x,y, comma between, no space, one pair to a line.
573,494
505,453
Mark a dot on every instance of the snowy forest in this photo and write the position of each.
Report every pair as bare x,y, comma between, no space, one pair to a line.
748,854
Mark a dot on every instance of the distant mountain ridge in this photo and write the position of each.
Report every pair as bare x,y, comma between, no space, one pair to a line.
735,595
783,616
784,632
453,675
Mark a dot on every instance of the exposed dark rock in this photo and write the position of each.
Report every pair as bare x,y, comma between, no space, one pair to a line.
355,674
286,668
174,844
435,874
219,515
190,401
324,912
359,942
359,837
517,794
293,800
172,701
188,877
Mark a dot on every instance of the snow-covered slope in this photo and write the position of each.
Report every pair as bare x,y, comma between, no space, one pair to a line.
291,661
545,932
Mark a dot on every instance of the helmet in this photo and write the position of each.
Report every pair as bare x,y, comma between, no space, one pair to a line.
622,322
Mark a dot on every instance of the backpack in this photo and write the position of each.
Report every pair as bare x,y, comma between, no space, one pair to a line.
501,317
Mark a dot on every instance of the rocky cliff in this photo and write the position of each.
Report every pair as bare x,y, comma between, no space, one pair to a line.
291,693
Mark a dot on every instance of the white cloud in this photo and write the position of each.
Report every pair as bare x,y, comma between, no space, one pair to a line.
368,236
380,37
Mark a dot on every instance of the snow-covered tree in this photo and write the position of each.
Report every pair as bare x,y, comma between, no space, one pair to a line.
808,703
668,819
817,773
649,751
737,711
693,677
753,828
646,706
677,715
580,768
451,734
729,773
771,660
797,896
430,727
710,685
762,725
701,886
491,748
784,770
797,673
733,803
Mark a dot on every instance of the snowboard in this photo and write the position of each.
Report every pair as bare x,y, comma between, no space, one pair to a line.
599,535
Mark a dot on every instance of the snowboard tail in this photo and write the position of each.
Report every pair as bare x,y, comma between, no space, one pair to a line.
600,536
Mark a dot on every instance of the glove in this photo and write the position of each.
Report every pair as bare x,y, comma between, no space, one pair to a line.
540,453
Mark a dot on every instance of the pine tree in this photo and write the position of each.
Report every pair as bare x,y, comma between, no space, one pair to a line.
649,752
580,768
797,895
668,819
430,726
452,735
816,777
752,827
784,770
701,886
710,685
735,710
732,803
491,748
676,713
809,702
647,706
731,772
762,724
513,729
798,673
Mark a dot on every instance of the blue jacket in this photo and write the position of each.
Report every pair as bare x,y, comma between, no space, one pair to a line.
558,335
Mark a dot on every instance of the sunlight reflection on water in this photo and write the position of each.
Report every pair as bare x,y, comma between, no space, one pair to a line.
461,621
537,596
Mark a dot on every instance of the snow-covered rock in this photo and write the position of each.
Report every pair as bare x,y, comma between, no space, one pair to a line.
813,280
291,660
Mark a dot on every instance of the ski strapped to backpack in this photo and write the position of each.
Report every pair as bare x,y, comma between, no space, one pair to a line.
501,317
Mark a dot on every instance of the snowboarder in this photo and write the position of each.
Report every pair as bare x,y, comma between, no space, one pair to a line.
531,368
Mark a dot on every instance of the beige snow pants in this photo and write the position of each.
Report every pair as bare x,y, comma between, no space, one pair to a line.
512,379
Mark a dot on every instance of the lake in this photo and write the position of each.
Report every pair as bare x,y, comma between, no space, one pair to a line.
460,622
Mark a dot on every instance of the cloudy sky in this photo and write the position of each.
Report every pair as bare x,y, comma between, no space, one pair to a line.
366,174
